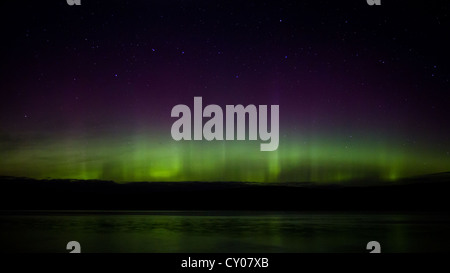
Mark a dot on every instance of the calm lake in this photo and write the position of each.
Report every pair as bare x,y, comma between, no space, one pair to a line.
221,232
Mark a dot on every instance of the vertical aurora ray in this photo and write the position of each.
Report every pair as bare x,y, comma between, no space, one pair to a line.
144,157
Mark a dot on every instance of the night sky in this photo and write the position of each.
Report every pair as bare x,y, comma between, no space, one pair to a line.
87,91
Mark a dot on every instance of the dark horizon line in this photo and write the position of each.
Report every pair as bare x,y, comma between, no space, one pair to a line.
423,193
366,180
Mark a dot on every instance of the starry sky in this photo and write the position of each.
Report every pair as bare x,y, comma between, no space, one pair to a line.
87,91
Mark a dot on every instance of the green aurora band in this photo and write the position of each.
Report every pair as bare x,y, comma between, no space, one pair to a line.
146,157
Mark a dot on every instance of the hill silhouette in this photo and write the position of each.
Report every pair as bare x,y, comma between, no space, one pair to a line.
422,193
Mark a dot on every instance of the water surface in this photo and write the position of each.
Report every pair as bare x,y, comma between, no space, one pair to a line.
218,231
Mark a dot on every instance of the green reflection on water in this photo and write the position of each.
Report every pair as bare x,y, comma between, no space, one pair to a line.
222,232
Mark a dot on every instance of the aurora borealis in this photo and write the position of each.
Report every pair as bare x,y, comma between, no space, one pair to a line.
86,91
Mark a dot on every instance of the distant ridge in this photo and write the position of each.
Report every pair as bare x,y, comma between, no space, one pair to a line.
420,193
